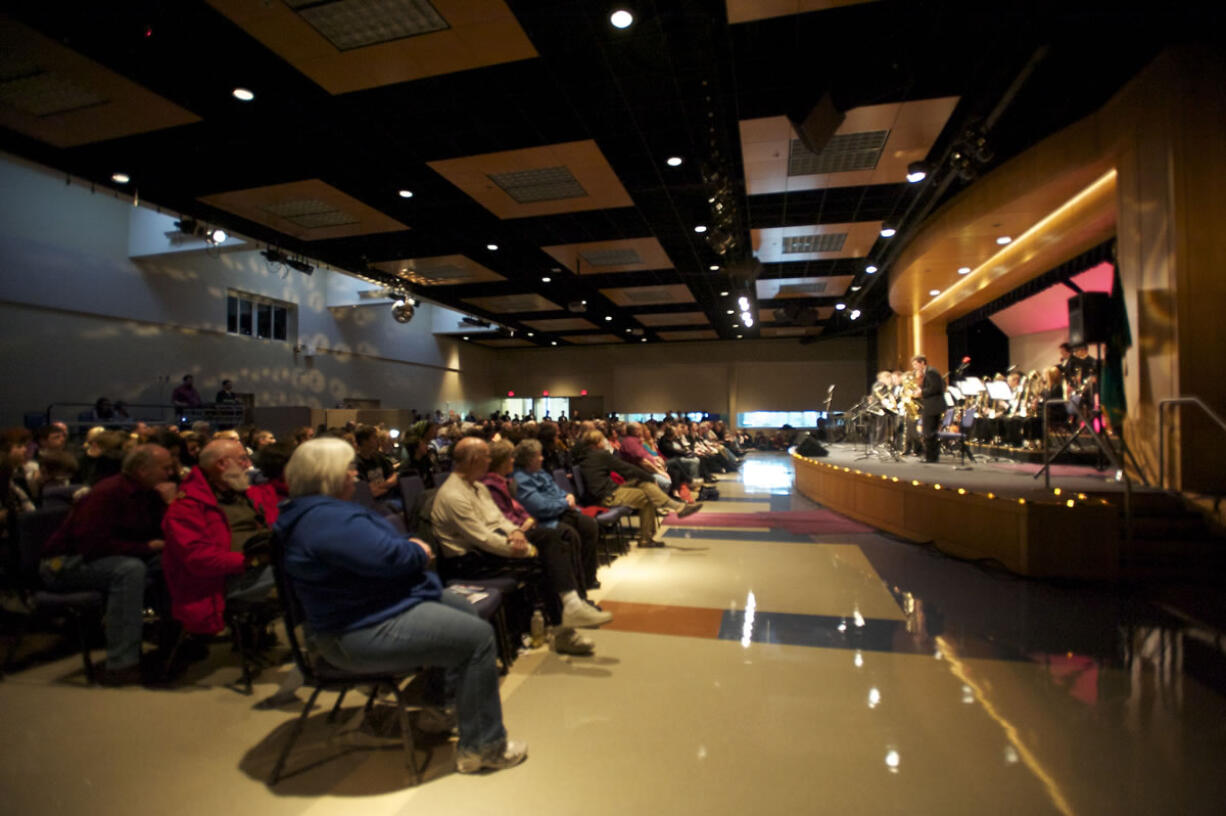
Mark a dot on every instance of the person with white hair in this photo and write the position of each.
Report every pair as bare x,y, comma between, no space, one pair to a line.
374,605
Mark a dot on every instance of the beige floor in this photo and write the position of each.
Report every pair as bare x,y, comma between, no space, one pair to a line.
655,724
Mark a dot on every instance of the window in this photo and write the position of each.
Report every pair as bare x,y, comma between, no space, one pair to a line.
255,316
777,419
658,416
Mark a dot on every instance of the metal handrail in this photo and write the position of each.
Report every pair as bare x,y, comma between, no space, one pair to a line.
228,412
1162,406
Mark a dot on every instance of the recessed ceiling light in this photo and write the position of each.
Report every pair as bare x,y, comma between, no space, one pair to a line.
546,279
888,232
242,94
700,228
739,336
870,269
855,313
466,337
406,193
964,270
855,288
840,306
730,312
934,292
621,19
644,340
627,331
743,302
714,267
674,161
532,334
1004,239
492,247
120,178
723,294
404,269
553,342
608,317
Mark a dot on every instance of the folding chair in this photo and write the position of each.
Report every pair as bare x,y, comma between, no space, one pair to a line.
608,518
323,676
32,531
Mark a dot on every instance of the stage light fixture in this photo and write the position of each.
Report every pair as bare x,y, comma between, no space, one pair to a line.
621,19
300,265
917,171
747,319
217,236
855,314
743,302
120,178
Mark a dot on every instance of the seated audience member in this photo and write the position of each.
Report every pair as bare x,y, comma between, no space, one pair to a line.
270,460
111,543
208,529
50,438
173,443
558,552
193,443
595,463
376,469
226,395
550,506
553,447
303,434
420,456
103,410
373,606
258,438
57,468
483,542
185,394
672,449
102,455
633,451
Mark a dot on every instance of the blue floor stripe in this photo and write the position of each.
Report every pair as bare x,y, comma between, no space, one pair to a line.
682,532
825,631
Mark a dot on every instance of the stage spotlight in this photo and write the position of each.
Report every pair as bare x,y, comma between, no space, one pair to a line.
917,171
855,314
743,302
299,265
403,311
217,236
273,256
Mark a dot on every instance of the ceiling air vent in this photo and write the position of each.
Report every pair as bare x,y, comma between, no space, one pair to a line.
542,184
844,153
807,244
802,289
611,257
310,213
349,24
650,295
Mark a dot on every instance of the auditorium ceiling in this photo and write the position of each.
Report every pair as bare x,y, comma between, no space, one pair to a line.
535,139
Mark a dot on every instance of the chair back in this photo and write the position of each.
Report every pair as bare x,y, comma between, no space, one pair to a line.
363,496
60,495
562,479
411,486
34,527
291,611
418,517
948,418
968,418
580,489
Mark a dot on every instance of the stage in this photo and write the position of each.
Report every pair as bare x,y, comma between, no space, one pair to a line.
981,510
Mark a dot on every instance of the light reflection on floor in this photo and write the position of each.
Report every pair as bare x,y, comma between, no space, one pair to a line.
772,475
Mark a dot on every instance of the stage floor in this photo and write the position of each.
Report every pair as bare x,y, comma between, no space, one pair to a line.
1007,479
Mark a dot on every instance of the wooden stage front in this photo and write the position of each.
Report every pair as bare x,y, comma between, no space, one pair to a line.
987,512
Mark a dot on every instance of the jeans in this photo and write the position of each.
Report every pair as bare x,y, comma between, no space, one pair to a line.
122,578
584,533
445,633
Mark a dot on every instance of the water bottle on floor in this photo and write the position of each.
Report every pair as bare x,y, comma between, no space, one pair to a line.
537,628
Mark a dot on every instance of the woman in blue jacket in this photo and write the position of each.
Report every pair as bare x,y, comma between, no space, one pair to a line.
551,507
373,605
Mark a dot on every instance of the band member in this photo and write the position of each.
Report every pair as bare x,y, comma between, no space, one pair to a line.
1066,360
932,404
883,408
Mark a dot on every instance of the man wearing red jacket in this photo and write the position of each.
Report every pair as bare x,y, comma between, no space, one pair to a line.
110,543
217,512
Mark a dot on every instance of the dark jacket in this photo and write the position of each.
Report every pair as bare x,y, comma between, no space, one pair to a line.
118,517
932,392
350,567
595,465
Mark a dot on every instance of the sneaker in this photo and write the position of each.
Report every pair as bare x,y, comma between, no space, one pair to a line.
570,642
584,616
689,510
496,757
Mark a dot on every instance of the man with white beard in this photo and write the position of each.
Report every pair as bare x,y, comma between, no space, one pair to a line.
213,532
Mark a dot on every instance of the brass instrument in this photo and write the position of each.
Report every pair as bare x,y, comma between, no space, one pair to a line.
910,390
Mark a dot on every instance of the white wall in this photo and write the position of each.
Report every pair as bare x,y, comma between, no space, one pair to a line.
83,320
1037,351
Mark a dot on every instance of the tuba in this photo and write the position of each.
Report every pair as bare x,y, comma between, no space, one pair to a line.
907,401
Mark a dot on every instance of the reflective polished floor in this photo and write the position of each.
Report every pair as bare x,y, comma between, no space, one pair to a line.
800,665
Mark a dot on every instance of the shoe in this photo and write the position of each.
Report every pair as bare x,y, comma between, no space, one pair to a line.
570,642
501,755
584,616
127,676
689,510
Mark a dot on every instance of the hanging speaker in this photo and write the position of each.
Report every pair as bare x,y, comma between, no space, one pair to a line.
1089,318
